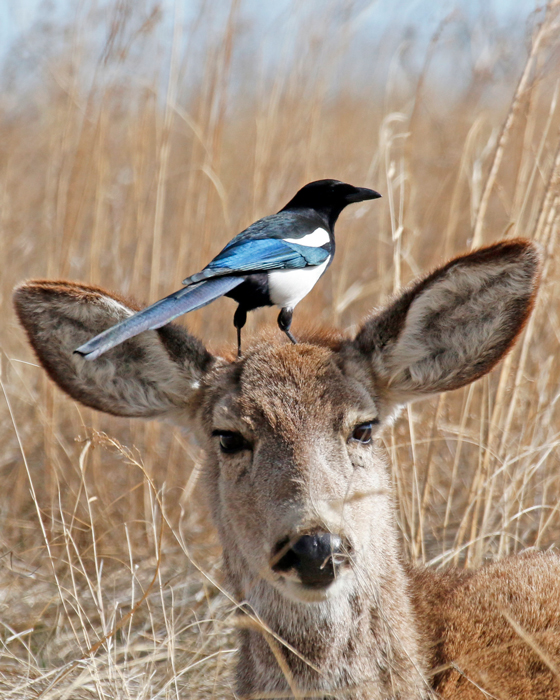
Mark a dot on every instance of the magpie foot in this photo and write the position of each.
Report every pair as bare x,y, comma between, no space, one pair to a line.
285,321
239,343
291,337
239,320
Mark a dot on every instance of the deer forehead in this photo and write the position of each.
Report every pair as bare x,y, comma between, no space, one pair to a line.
288,388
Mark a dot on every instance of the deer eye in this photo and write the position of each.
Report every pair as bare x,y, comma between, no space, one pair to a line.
231,442
363,432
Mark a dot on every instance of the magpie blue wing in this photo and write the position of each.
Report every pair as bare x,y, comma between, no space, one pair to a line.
249,256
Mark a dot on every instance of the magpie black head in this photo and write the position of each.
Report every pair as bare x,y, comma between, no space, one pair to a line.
329,197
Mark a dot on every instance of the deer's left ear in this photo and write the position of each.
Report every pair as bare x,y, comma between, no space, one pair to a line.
453,326
157,374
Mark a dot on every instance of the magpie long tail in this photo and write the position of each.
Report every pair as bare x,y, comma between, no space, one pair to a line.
158,314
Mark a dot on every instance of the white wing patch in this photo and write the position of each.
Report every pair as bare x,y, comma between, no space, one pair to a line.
314,240
287,288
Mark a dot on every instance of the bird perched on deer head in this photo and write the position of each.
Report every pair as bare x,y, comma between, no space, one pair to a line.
274,262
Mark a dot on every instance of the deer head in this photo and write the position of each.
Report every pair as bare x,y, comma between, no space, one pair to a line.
298,486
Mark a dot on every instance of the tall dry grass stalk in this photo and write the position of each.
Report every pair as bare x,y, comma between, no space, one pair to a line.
131,170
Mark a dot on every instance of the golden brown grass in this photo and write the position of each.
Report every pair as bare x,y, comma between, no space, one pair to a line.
131,170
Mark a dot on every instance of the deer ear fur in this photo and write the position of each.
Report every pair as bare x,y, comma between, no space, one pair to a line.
154,374
454,325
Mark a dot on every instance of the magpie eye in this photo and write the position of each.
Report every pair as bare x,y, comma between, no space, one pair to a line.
230,441
363,432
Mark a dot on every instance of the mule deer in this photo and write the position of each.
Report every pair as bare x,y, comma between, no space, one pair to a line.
301,494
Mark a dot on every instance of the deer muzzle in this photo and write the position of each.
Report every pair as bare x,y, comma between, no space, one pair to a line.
315,559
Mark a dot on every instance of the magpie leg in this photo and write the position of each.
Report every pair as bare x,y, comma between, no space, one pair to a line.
239,320
285,321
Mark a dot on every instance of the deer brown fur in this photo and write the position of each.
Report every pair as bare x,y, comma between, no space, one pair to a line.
300,471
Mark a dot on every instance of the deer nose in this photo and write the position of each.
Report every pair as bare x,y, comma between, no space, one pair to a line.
313,557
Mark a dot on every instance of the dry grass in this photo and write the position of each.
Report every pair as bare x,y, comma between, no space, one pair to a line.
130,169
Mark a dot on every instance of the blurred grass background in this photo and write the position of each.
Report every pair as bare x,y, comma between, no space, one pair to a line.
135,140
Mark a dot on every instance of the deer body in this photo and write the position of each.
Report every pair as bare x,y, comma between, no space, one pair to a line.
301,494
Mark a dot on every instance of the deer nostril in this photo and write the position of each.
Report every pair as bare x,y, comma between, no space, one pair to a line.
283,557
313,557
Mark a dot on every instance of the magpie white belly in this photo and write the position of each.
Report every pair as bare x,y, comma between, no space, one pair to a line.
286,288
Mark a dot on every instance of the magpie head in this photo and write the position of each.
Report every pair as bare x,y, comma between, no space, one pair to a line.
329,197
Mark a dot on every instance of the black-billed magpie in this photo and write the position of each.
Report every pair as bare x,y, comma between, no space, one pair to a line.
274,262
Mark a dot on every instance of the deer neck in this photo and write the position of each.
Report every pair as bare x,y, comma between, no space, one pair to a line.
363,641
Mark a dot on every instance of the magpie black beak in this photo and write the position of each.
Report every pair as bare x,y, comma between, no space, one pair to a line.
360,194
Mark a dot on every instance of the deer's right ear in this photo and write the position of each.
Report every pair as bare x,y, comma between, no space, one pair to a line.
155,374
453,326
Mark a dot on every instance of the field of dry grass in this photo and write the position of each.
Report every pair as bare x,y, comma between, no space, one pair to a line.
127,161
